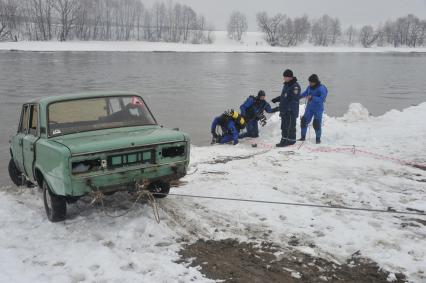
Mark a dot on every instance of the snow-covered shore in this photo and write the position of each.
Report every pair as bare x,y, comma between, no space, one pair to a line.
94,247
253,42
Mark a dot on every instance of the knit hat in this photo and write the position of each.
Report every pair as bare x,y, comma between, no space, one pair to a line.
261,93
314,79
288,73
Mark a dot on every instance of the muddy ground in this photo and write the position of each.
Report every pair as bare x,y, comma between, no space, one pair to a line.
232,261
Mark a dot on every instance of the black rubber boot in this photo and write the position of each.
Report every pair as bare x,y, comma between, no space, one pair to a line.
282,144
302,139
318,141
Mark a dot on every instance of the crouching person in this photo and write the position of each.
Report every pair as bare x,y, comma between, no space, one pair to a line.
253,111
227,127
316,94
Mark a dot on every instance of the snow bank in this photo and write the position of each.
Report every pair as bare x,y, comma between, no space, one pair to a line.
356,112
332,178
91,246
253,42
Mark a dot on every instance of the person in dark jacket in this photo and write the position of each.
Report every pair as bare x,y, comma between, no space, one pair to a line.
230,124
253,111
289,108
316,94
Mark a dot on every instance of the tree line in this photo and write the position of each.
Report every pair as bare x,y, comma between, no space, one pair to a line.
102,20
173,22
280,30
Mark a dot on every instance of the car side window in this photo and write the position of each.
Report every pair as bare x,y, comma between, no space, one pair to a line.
23,127
33,126
114,105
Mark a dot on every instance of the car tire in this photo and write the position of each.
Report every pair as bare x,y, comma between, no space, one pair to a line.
55,206
15,174
159,189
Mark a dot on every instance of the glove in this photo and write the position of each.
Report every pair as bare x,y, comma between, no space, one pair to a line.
276,109
276,99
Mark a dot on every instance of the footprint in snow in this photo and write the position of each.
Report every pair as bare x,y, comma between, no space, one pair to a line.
128,267
109,244
94,267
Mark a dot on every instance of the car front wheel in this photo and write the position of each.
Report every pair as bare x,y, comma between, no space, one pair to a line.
56,206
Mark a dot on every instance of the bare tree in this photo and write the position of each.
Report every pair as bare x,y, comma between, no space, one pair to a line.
139,17
336,30
82,27
198,30
351,34
292,32
41,15
210,37
409,31
189,19
67,14
101,20
159,13
148,29
9,20
237,25
367,36
270,26
286,35
321,33
302,28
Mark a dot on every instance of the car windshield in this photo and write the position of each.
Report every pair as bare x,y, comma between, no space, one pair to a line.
73,116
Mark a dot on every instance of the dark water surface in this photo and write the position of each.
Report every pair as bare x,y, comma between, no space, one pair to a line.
186,90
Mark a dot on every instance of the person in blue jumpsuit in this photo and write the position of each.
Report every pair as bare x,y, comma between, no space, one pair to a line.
252,110
316,94
289,108
230,123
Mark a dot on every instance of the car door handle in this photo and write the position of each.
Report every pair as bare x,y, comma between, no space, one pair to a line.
32,147
20,142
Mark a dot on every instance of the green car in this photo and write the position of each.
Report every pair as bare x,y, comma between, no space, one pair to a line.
80,144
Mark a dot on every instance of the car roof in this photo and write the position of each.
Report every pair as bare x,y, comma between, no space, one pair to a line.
81,95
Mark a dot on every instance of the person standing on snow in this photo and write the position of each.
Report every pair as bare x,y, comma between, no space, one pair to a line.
316,94
230,123
252,110
289,108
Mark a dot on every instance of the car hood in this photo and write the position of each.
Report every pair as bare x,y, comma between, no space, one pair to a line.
114,139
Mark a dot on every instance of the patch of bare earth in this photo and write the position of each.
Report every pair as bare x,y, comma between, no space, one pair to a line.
232,261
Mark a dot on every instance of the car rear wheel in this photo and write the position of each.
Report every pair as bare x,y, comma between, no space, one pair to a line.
159,189
15,174
55,206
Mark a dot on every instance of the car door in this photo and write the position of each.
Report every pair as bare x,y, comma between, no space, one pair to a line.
29,141
18,138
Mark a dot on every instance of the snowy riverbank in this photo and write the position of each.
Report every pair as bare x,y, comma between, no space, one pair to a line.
91,246
253,42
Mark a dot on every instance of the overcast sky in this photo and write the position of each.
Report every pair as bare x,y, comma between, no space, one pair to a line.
357,12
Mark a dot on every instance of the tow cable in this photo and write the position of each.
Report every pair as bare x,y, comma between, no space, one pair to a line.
140,192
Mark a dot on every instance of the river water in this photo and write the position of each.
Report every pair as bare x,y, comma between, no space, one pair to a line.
186,90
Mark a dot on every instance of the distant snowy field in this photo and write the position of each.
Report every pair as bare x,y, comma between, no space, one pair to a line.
253,42
94,247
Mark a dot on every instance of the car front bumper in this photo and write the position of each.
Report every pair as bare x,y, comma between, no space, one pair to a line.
125,180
